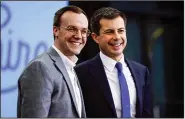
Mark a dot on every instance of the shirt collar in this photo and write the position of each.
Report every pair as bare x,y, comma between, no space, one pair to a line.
67,62
110,63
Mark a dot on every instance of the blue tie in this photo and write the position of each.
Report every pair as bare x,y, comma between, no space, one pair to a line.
125,98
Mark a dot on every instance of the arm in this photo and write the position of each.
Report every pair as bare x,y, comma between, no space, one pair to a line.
35,86
147,101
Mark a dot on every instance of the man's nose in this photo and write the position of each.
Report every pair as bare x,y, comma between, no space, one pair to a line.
116,35
78,34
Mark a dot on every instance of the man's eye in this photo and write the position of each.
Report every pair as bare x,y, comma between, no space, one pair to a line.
108,32
71,29
84,31
121,31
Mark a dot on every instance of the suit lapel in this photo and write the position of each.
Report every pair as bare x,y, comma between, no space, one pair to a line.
61,67
98,72
135,73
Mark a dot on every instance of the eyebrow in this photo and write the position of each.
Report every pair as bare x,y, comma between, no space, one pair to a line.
114,29
109,29
77,27
122,28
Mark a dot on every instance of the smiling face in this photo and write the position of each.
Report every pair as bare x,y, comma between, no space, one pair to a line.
112,38
67,42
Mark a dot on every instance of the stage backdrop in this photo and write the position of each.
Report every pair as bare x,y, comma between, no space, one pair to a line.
26,31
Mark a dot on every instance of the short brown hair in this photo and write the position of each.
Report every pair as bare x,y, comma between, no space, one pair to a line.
107,13
60,12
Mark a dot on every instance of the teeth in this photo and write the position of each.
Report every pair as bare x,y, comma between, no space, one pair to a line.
117,44
75,43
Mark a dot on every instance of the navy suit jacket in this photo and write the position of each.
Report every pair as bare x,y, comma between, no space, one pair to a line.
97,94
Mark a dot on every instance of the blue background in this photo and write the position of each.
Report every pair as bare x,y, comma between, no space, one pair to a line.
26,31
155,39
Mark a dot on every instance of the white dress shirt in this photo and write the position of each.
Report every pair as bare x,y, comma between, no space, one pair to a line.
111,73
70,69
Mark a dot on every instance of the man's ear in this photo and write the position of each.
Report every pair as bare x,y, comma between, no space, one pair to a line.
95,37
55,31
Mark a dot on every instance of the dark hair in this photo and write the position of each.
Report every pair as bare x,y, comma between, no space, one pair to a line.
60,12
107,13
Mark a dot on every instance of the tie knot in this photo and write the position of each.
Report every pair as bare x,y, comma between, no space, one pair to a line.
119,66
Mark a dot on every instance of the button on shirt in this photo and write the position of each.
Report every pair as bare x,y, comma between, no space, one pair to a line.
70,69
111,73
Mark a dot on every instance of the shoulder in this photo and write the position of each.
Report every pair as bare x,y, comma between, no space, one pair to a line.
37,69
41,59
84,64
38,64
94,61
137,65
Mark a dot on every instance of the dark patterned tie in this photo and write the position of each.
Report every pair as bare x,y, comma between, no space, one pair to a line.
125,98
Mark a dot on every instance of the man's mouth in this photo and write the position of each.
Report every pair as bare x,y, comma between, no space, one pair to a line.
115,44
75,43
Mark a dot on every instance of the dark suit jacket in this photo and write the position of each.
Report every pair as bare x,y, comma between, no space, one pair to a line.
97,94
45,90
